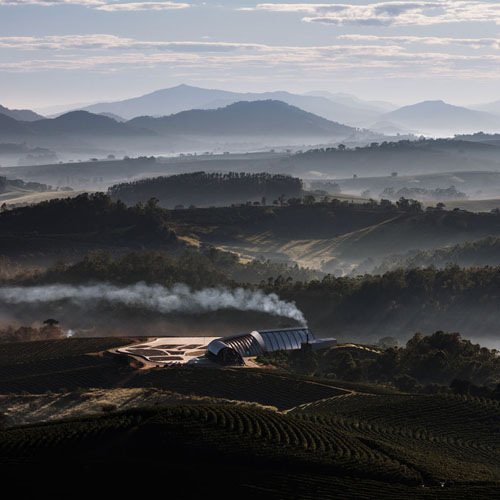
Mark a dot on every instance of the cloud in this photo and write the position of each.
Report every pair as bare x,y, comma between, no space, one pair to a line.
421,13
107,42
137,6
367,57
473,43
102,4
49,3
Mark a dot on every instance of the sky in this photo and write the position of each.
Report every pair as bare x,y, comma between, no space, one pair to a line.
81,51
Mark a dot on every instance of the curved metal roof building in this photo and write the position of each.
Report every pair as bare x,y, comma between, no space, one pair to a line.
234,349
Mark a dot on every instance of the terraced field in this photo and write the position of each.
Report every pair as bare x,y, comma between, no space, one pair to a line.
257,450
306,438
259,386
446,437
53,365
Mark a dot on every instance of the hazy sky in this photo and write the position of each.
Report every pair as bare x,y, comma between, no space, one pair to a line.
75,51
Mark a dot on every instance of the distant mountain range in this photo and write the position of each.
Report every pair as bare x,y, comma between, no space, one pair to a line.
337,107
256,122
25,115
426,117
257,118
436,116
72,123
213,121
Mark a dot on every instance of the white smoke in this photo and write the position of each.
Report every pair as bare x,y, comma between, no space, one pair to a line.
178,298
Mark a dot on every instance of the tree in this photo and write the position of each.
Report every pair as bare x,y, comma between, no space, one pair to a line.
309,199
51,322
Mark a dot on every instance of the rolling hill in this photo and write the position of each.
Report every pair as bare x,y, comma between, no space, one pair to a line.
20,114
185,97
429,116
83,122
257,118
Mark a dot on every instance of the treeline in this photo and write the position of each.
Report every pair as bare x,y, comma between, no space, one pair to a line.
403,145
50,330
401,157
18,183
484,252
198,268
95,214
207,189
426,364
399,302
422,194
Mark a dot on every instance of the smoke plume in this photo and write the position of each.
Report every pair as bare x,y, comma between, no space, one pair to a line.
177,299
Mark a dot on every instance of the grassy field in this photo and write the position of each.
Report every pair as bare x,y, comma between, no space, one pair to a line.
21,197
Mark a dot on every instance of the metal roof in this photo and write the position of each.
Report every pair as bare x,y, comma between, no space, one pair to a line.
259,342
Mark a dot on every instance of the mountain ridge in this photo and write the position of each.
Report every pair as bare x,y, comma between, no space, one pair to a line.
241,118
184,97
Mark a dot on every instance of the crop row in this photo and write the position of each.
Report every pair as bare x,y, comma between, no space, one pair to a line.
61,374
24,352
241,384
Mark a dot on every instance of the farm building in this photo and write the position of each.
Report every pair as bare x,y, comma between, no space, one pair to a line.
232,350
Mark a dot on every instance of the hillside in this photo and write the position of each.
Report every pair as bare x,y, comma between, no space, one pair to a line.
11,127
73,226
432,116
25,115
484,252
328,235
403,157
201,189
331,236
350,444
185,97
258,118
82,122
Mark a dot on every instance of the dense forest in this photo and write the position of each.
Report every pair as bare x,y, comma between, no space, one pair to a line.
400,302
422,194
423,155
424,364
484,252
206,189
198,268
71,227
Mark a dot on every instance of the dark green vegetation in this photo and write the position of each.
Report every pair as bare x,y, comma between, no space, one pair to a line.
422,194
423,365
29,333
206,267
73,226
58,365
328,439
400,302
397,303
283,391
333,234
202,189
474,164
303,231
5,184
484,252
347,447
404,157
